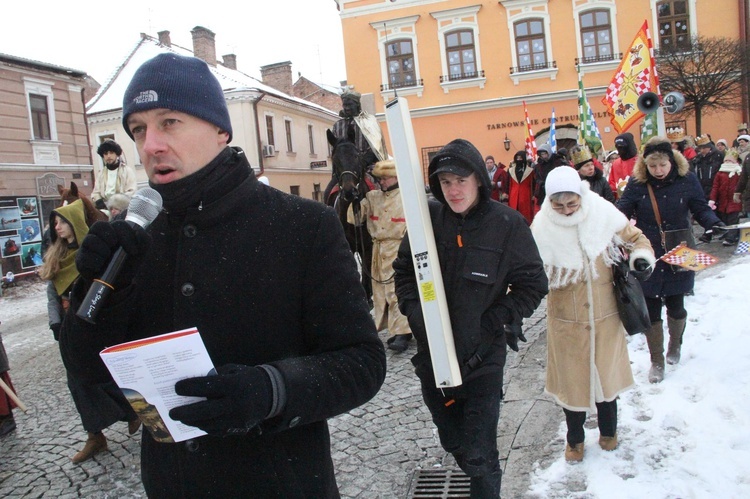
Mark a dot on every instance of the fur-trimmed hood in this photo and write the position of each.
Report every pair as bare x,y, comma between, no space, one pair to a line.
640,172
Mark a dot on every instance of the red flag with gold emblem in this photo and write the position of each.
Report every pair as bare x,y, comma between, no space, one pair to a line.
635,76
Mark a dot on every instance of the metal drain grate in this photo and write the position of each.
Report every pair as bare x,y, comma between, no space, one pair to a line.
438,484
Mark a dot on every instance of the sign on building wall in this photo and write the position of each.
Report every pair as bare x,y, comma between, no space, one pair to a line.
20,233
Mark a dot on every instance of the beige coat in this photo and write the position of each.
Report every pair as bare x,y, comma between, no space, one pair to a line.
384,215
587,354
126,182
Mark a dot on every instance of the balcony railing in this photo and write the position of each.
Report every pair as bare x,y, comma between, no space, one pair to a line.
461,76
533,67
598,58
406,84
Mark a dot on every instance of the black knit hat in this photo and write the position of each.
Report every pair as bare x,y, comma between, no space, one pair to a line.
185,84
109,145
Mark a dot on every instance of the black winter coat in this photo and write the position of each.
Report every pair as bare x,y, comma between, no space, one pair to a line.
679,196
267,278
541,170
705,168
600,185
496,277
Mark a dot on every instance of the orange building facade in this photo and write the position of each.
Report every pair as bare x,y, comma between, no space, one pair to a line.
465,67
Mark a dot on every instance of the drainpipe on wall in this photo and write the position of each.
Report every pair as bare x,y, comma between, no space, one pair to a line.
88,139
257,132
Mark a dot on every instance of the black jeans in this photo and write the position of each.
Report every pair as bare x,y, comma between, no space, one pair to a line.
607,420
468,429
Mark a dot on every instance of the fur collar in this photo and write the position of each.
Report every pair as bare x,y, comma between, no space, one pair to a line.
640,170
567,243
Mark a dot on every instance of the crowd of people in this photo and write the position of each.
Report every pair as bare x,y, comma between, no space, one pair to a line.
293,339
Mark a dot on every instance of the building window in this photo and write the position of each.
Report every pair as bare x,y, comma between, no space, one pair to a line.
311,138
40,117
674,23
294,189
269,130
530,44
461,55
288,130
400,61
596,36
317,194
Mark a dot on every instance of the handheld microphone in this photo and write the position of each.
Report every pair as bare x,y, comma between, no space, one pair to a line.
143,209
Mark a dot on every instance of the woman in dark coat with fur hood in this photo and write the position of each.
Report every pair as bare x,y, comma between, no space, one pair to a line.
679,196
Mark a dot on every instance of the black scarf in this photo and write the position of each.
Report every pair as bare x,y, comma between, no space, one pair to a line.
114,166
207,184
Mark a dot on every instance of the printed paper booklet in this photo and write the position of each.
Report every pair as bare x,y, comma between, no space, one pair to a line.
146,371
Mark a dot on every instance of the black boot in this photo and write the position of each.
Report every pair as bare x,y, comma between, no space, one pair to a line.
7,424
400,342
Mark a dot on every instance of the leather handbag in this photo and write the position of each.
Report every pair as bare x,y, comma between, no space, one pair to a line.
631,304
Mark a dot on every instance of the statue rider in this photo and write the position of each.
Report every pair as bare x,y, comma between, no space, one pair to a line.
364,127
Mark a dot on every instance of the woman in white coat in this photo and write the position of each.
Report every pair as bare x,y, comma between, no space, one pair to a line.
580,235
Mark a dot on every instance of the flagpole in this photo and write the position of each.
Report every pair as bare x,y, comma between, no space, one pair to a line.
660,123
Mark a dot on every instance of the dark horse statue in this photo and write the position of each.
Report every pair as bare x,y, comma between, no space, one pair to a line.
71,194
352,183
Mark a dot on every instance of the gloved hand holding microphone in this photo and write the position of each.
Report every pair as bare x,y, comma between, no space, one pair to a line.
111,252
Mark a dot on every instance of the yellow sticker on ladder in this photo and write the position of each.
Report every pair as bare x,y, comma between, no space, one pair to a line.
428,291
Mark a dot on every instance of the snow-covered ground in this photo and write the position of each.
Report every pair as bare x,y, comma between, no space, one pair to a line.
688,437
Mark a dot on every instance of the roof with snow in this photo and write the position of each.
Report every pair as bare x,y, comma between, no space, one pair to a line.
109,96
21,61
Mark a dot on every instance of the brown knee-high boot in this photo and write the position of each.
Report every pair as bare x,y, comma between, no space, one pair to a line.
676,328
655,340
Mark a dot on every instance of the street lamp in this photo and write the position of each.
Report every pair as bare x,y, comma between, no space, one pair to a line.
506,142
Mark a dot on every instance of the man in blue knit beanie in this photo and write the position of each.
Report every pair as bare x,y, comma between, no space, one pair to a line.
266,277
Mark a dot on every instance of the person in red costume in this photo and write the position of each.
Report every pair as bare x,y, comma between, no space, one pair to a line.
622,167
521,186
498,178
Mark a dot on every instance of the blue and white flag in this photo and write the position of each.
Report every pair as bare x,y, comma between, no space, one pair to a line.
552,139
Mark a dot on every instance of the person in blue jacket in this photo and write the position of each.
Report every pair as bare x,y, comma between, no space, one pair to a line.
679,196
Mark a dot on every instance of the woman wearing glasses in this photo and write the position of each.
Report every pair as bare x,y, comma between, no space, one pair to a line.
580,235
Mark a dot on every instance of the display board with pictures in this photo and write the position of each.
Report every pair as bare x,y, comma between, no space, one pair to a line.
21,231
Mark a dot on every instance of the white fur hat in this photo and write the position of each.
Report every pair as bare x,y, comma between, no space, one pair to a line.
562,179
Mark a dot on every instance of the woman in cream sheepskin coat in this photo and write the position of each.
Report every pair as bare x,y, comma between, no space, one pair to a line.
580,235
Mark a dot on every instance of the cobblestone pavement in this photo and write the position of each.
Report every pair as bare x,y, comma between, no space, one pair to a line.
376,448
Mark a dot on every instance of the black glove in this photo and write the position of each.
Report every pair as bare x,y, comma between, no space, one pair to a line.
239,398
513,333
719,228
103,240
100,205
641,269
56,331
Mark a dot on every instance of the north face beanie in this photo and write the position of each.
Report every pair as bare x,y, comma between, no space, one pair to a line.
179,83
